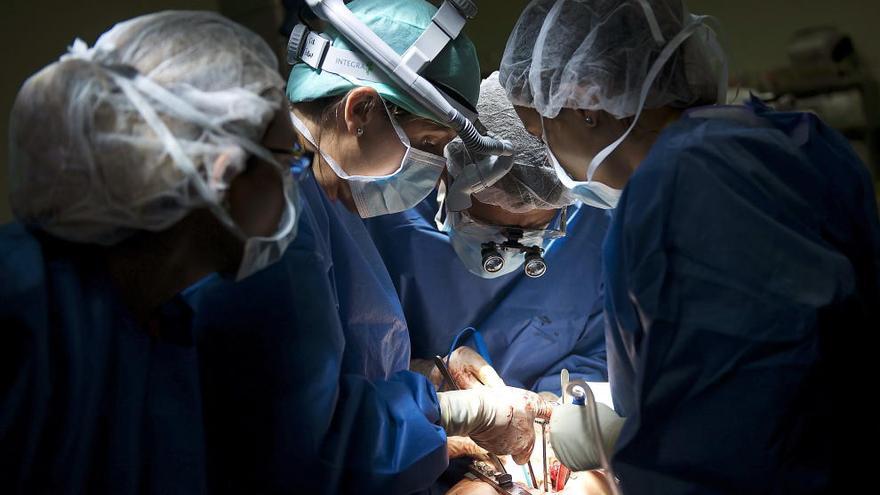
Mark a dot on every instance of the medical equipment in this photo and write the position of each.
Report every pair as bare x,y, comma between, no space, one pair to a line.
491,251
403,71
444,370
519,184
535,265
502,482
493,261
544,453
496,475
583,397
563,384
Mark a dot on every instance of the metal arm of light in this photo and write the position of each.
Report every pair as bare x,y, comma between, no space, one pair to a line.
365,40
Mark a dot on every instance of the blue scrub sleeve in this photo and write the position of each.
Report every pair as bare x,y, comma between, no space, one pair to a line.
735,292
281,417
384,437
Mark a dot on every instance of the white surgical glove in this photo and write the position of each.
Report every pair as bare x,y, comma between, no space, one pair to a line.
499,419
574,441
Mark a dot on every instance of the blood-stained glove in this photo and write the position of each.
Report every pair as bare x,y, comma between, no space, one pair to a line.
499,419
466,366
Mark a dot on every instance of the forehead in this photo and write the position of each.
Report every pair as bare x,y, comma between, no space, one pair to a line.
417,123
495,215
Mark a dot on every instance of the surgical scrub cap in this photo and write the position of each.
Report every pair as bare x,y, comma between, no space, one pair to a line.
399,23
596,54
531,182
134,133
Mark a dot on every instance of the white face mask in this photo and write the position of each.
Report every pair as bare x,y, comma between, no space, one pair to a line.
589,192
260,252
413,180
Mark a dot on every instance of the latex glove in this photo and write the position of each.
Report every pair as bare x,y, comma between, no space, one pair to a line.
458,447
466,366
499,419
424,367
575,443
470,370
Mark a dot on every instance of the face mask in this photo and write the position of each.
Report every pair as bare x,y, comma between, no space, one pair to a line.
260,252
414,179
471,240
589,192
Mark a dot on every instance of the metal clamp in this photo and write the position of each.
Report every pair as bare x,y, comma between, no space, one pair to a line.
445,26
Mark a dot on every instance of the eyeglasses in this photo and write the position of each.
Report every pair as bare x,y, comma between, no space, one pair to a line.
298,159
535,265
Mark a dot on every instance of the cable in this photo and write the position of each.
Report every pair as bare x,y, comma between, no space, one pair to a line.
580,389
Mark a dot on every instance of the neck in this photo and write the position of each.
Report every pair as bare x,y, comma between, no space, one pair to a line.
329,138
152,268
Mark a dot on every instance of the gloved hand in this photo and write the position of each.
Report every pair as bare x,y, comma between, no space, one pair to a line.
458,447
499,419
424,367
466,366
575,442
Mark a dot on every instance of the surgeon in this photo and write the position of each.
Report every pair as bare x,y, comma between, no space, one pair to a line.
377,152
138,166
526,327
306,363
522,325
743,240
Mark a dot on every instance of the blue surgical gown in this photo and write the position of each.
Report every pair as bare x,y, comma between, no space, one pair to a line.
304,365
533,328
91,402
741,246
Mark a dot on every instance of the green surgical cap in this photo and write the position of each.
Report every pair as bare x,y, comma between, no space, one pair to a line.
399,23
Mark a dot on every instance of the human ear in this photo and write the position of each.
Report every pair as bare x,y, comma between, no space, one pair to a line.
358,109
590,117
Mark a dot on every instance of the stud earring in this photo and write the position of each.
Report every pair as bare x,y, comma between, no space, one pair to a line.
589,121
360,131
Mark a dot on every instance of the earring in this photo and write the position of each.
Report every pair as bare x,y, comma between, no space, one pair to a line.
589,121
360,131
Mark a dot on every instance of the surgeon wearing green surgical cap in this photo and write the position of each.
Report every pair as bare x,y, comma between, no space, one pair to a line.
327,403
379,151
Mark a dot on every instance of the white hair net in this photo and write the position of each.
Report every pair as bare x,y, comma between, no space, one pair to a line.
596,55
531,182
135,132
